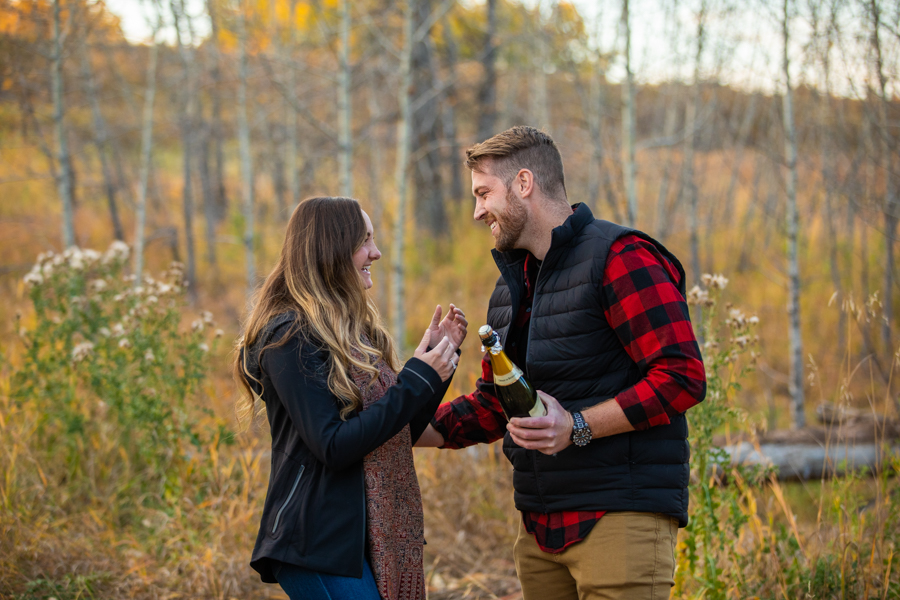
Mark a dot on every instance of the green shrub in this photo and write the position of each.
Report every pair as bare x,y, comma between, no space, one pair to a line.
112,374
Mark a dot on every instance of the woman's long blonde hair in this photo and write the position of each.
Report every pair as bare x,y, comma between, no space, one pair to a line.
315,280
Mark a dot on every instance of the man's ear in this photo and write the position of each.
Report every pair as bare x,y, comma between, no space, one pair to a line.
524,182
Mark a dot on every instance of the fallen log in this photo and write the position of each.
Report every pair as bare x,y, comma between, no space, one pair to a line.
811,461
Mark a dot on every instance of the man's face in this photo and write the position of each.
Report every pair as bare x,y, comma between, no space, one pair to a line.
500,209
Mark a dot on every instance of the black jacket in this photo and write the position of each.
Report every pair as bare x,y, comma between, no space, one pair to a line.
315,510
574,355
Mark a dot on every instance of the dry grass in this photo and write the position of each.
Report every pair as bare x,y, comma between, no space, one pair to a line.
841,534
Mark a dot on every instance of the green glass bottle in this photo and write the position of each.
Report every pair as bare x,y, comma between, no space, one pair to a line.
517,396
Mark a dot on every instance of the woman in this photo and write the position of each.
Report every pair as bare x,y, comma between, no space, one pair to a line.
343,513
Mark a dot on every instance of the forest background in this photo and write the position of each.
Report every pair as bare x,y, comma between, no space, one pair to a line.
144,188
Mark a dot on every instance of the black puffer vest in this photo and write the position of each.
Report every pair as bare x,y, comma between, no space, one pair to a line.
574,355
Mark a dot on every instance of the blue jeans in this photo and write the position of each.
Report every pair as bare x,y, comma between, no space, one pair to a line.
301,584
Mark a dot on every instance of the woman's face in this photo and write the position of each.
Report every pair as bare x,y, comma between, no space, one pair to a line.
367,254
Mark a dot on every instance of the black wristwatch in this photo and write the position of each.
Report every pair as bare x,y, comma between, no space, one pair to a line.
581,433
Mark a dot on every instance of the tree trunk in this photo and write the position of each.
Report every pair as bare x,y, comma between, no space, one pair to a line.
246,158
64,160
688,184
146,158
537,88
662,201
376,154
398,314
425,134
830,182
101,140
448,113
890,201
221,196
187,122
795,384
345,135
594,117
487,93
294,116
628,124
209,210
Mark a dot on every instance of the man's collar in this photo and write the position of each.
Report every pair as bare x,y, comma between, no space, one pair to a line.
561,235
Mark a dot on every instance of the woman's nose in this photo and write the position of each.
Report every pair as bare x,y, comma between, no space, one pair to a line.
375,254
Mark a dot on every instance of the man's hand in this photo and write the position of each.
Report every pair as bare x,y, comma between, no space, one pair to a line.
454,327
548,434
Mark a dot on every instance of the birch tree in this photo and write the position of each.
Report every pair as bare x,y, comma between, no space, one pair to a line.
692,109
628,122
413,33
146,149
795,381
398,314
64,177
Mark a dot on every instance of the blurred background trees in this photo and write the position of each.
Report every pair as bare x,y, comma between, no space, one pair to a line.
758,139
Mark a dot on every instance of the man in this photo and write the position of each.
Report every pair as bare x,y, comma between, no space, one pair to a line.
595,315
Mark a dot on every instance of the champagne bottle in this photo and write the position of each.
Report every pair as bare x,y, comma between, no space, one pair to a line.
517,396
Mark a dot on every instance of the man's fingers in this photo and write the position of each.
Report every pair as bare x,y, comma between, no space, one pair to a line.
530,434
436,318
423,345
532,422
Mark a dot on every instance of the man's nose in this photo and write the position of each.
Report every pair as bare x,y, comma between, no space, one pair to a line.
479,210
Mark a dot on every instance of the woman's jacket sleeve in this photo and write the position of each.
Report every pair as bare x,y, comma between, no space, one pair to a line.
299,373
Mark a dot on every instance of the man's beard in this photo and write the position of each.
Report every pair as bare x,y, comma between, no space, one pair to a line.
511,223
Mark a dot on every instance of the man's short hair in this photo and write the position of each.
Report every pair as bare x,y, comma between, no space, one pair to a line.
521,147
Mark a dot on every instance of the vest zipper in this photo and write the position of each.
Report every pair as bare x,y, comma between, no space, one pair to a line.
537,481
286,502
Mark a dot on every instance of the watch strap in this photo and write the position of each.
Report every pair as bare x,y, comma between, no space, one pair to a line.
581,432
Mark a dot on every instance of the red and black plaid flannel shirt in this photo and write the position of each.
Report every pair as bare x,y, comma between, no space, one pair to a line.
642,304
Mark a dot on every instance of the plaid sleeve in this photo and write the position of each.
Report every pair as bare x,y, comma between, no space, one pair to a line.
651,317
475,418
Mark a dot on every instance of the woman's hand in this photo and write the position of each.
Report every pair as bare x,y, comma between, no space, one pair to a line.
442,358
454,326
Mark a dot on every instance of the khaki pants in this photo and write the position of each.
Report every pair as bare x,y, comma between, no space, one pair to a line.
626,556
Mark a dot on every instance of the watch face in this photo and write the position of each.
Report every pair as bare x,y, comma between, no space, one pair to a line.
582,436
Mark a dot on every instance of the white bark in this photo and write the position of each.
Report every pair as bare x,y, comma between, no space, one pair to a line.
146,158
688,184
345,135
795,383
628,123
63,159
398,314
246,158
